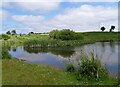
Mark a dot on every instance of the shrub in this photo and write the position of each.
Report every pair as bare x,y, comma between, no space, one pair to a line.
65,34
54,34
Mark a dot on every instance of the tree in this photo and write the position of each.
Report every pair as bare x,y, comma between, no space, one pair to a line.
31,32
8,32
112,28
13,32
103,28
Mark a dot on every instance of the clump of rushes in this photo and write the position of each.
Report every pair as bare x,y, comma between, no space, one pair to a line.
88,67
91,66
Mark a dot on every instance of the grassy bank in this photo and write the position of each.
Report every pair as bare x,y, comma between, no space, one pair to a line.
21,73
16,72
88,37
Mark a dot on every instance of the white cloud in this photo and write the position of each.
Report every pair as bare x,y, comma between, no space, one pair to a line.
30,21
28,18
84,18
38,7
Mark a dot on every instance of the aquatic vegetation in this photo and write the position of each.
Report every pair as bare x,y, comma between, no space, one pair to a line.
91,66
88,67
50,43
40,43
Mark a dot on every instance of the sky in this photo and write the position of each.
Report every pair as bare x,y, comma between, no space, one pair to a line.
43,16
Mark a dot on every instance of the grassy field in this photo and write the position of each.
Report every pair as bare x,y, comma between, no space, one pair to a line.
101,36
16,72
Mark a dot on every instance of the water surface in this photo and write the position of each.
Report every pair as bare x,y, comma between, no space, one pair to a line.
59,57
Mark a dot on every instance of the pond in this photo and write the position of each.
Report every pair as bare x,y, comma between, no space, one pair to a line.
59,57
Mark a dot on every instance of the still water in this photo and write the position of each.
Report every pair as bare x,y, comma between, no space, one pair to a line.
59,57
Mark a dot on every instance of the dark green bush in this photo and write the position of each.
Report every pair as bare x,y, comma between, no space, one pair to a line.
54,34
65,34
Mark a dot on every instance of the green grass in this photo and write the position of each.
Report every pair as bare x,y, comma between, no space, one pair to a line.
16,72
101,36
21,73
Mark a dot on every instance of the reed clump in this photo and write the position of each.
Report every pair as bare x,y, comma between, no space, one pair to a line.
89,67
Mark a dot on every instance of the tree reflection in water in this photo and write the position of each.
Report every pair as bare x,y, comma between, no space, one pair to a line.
64,52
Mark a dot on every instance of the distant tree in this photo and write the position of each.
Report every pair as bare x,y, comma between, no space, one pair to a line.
31,32
112,28
103,28
13,32
8,32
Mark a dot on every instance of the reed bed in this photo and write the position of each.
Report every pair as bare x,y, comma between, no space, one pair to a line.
40,43
34,43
